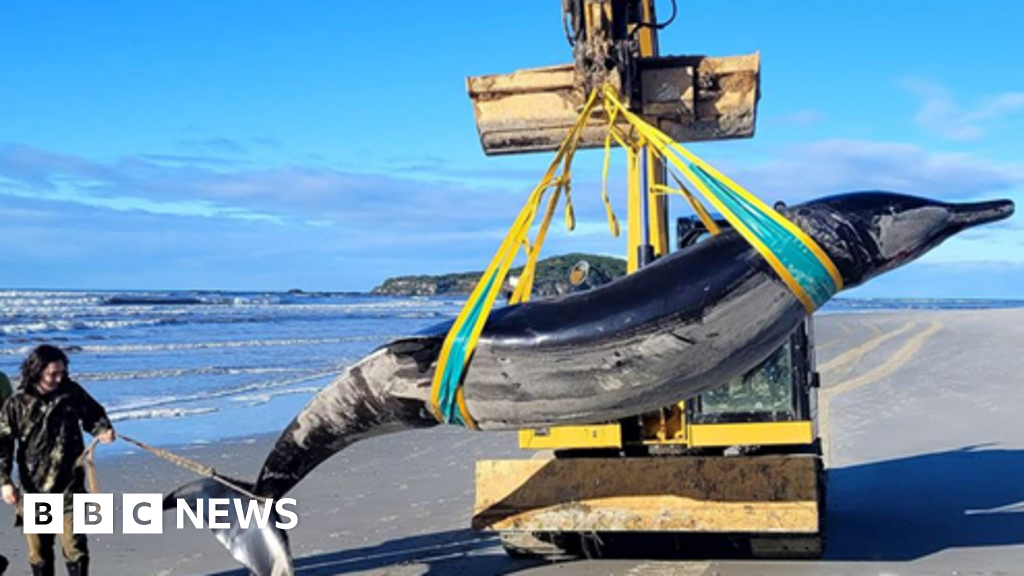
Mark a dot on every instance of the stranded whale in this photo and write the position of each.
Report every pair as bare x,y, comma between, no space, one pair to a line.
675,329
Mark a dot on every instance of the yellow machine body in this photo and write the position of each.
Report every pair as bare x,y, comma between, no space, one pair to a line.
672,432
678,494
666,471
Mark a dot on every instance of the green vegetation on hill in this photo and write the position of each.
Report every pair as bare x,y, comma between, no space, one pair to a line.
552,278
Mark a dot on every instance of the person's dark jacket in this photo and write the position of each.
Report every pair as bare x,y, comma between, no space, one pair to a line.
5,388
48,432
5,393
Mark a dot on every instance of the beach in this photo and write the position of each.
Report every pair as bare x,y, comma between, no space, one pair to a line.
920,412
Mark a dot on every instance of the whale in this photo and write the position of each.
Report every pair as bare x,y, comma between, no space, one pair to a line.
263,550
679,327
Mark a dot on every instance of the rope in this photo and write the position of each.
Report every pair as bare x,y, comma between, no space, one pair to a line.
86,461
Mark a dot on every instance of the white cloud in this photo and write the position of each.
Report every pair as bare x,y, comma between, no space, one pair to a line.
826,167
926,279
301,193
807,171
942,115
70,191
332,226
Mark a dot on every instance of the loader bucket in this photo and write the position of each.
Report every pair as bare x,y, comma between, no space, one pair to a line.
688,97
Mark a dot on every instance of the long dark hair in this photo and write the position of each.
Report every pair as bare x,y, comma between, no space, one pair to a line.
37,361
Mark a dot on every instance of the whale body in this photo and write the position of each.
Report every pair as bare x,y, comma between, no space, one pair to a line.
687,323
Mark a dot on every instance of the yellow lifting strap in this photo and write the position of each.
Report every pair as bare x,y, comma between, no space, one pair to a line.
447,400
692,200
796,258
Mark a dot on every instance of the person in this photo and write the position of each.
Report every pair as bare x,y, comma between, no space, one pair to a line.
5,388
44,419
5,393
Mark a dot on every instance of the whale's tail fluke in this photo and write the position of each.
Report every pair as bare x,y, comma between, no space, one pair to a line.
366,400
261,547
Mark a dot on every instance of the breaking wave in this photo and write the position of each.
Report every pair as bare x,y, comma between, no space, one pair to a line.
264,386
116,416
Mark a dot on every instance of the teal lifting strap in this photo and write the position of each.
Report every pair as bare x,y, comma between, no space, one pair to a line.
806,268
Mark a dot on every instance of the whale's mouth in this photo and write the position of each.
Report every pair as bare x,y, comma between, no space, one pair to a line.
978,213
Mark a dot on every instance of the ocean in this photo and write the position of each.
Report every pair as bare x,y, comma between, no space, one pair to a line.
194,367
198,367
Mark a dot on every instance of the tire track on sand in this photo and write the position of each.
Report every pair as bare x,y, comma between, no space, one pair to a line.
842,364
894,362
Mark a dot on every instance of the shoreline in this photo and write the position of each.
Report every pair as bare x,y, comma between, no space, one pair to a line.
924,448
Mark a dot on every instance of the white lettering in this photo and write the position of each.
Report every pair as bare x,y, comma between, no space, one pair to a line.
284,513
92,513
219,508
262,517
183,509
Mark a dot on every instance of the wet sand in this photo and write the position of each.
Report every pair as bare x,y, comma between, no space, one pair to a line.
923,420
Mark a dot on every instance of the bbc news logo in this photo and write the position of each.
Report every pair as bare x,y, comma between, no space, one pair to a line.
143,513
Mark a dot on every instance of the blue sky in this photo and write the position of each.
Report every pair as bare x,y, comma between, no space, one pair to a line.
328,145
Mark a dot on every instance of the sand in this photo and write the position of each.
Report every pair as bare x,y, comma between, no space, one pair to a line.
925,447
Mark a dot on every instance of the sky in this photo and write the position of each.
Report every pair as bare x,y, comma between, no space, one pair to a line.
253,145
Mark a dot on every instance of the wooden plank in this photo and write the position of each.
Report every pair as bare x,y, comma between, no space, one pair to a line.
773,494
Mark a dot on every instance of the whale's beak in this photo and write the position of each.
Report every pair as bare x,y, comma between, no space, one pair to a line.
978,213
